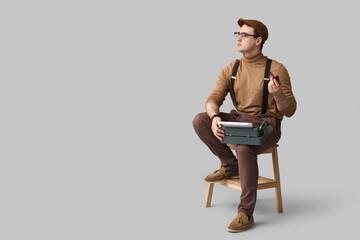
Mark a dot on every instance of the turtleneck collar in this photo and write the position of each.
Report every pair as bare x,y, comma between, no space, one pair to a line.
258,58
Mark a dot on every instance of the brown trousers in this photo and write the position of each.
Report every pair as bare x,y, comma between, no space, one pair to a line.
246,161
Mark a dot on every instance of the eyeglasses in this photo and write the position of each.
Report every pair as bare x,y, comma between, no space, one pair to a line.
244,35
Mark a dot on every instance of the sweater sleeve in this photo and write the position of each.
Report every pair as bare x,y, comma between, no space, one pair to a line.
287,89
221,88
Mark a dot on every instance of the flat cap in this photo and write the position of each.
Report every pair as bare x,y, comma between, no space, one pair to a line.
260,28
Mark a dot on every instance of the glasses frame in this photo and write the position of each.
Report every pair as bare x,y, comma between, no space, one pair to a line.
244,35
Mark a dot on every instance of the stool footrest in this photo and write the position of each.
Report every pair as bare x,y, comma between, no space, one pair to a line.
234,183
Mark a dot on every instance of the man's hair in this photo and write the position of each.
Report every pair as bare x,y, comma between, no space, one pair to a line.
262,40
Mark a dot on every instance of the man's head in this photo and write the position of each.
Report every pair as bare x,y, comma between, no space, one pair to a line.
253,35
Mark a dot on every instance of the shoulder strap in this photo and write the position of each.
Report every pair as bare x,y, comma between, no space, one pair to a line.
233,77
265,89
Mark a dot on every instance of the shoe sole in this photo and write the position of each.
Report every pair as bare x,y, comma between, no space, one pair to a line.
214,181
240,230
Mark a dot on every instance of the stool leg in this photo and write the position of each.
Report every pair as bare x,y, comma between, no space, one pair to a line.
209,194
279,205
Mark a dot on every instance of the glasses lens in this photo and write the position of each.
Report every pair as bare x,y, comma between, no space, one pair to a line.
236,34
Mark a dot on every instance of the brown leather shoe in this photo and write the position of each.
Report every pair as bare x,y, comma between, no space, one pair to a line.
220,174
241,223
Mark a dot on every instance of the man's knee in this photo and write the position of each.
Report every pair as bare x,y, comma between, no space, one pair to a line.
200,119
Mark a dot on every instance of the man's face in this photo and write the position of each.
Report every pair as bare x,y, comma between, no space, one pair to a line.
249,43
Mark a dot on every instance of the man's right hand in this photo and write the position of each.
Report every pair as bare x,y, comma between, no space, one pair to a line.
215,128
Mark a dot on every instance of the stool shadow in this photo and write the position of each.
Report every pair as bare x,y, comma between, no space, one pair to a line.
293,208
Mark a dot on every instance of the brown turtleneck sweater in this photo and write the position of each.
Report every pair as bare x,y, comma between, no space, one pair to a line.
248,87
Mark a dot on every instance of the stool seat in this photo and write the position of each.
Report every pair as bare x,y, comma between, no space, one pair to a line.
263,182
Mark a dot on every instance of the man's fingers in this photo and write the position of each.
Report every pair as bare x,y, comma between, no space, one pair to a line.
220,135
271,84
220,132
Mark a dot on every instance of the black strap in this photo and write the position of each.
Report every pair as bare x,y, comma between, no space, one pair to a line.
265,88
233,77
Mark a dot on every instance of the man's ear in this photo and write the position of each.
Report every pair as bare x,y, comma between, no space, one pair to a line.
258,41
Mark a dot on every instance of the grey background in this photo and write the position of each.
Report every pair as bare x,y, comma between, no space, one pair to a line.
97,99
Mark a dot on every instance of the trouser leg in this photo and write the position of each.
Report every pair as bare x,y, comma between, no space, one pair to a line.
248,175
202,126
248,165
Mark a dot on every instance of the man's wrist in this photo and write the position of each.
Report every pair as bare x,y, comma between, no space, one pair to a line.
214,116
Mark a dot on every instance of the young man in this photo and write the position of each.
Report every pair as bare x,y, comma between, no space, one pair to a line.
248,88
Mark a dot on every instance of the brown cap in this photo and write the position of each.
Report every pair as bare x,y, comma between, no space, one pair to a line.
260,28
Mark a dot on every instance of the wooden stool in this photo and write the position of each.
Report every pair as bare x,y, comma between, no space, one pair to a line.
263,182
